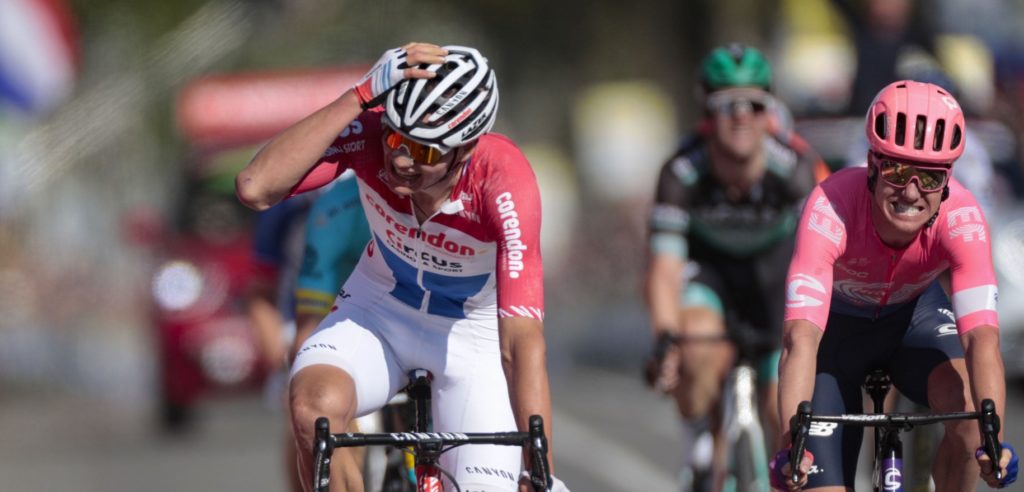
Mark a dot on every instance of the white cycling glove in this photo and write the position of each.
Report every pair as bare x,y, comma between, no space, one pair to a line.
387,72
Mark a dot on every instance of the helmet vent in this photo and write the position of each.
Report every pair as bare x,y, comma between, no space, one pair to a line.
940,132
957,136
901,128
919,128
880,126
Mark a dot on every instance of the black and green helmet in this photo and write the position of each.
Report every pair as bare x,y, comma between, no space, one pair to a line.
735,65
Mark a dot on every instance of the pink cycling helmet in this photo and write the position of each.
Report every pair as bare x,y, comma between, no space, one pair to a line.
916,121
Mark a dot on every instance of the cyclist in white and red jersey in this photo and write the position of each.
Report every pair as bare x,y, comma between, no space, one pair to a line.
452,279
863,294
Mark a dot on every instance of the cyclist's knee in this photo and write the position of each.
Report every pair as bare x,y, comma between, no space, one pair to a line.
318,391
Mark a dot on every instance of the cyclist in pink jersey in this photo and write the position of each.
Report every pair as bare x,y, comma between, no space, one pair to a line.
862,294
452,279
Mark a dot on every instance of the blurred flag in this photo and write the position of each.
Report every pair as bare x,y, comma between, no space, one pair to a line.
38,54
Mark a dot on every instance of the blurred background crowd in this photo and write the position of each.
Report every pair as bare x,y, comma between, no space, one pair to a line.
122,124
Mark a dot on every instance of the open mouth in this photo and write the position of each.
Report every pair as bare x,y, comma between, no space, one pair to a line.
904,210
405,178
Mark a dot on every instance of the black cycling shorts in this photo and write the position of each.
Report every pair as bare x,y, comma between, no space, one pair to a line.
908,344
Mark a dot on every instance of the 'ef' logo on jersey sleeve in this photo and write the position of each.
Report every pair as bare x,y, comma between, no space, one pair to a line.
966,223
824,221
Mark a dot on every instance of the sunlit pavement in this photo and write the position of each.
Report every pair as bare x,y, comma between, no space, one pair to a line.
610,435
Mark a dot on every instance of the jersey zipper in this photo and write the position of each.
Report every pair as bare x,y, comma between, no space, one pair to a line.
421,236
893,260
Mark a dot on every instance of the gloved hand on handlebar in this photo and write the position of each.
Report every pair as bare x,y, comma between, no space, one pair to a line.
779,473
1007,462
393,67
662,365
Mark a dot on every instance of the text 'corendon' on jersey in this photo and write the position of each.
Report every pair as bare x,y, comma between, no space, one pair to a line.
512,234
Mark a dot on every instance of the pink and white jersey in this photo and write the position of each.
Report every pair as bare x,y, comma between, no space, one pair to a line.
841,264
477,258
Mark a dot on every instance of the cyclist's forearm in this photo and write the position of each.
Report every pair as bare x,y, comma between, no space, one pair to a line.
283,162
523,360
985,367
661,288
797,368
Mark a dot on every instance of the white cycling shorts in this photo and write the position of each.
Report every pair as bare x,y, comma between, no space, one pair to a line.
377,340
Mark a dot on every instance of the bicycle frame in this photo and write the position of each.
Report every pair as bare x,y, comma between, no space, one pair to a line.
888,466
429,446
740,416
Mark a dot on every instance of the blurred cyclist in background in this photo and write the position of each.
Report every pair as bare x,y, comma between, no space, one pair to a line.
721,231
277,246
302,254
452,281
863,294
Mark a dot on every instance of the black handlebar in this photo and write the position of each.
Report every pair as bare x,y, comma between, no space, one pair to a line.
989,421
799,429
326,442
800,425
540,473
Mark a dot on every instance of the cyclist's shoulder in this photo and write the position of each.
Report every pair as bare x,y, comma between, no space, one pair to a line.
961,204
689,161
358,139
498,165
499,152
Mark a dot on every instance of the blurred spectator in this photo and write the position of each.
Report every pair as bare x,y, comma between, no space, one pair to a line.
883,32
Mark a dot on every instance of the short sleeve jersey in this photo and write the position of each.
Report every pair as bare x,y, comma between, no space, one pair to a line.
841,265
478,257
277,249
336,235
693,218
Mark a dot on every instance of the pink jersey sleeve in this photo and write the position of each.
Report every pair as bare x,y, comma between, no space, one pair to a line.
965,236
820,239
514,213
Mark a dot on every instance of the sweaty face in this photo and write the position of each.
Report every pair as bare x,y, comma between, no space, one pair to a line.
739,117
899,213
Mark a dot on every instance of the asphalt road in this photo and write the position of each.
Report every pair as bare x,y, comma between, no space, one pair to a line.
610,435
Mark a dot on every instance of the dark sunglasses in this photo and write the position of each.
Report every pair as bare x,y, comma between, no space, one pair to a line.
421,153
899,174
735,104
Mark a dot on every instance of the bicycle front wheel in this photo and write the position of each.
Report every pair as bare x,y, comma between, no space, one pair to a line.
749,465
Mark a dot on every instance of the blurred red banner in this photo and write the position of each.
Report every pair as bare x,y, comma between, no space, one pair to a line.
223,111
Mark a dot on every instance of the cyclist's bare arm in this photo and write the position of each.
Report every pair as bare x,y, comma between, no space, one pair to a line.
523,359
284,161
661,288
267,322
800,339
985,367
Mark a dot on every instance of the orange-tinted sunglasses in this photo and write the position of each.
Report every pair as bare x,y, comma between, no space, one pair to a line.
421,153
899,174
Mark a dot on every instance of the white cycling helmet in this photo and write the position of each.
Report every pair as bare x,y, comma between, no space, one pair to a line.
452,109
